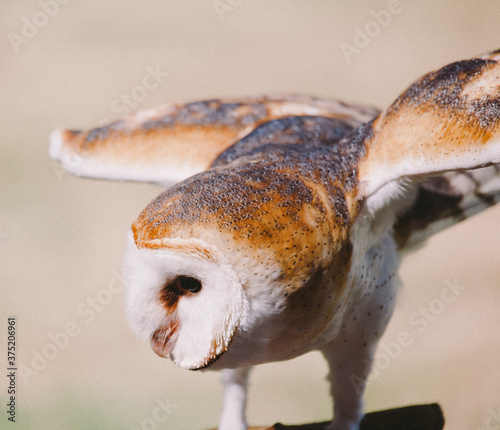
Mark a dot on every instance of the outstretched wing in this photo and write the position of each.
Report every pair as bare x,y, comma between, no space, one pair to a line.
172,142
447,121
445,200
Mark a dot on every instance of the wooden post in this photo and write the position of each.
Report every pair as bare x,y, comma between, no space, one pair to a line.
417,417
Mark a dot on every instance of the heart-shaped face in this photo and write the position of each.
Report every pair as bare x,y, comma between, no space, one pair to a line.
184,298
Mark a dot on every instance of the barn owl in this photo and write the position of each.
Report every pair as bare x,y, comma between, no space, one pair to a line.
285,218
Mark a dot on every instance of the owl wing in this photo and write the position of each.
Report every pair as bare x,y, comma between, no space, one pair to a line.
427,146
445,200
175,141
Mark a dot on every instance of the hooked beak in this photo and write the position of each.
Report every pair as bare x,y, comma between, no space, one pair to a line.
163,340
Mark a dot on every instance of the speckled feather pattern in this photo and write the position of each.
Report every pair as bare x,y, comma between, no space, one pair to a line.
292,201
447,118
172,142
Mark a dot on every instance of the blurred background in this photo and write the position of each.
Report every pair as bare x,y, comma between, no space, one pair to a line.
79,64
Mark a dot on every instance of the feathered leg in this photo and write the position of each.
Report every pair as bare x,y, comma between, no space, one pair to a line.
349,368
235,384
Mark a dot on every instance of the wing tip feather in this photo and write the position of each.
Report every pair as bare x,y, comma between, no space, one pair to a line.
59,138
56,143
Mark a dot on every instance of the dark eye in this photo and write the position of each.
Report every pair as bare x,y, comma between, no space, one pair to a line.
190,284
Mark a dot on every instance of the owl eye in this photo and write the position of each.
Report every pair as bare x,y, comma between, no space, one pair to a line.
173,290
190,284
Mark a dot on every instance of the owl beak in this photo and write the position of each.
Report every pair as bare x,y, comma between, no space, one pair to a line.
162,341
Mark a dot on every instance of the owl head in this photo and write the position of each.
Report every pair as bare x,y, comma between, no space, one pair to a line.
184,297
231,258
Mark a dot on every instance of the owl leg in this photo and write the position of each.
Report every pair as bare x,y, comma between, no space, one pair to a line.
349,367
235,383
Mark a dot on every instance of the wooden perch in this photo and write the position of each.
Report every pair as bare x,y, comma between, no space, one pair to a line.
418,417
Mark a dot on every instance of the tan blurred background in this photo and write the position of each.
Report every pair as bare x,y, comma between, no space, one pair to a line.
62,238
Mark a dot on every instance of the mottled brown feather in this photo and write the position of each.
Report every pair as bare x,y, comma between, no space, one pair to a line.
184,138
294,201
446,120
